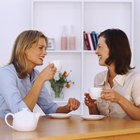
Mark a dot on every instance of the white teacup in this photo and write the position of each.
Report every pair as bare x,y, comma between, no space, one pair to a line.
57,64
95,92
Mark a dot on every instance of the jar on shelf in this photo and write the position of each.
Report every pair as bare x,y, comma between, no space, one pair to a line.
72,39
64,41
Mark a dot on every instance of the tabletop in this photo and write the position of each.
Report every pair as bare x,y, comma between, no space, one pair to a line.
75,128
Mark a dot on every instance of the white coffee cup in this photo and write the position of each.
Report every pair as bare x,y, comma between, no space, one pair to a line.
95,92
57,64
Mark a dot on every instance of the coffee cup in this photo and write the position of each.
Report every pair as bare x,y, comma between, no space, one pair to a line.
95,92
57,64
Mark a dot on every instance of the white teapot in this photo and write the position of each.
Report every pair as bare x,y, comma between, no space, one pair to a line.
24,120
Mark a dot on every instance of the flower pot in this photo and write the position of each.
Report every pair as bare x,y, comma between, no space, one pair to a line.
58,95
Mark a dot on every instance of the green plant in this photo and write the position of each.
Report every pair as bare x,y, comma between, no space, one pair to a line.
59,81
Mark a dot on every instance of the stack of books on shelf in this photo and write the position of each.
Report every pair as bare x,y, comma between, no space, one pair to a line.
90,40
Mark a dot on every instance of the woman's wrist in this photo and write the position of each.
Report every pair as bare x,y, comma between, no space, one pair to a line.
63,109
120,101
40,79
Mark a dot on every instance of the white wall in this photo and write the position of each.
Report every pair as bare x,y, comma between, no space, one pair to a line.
15,17
137,35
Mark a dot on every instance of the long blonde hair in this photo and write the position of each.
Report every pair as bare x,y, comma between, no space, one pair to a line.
23,42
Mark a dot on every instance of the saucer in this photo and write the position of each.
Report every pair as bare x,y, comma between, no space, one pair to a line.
60,115
92,117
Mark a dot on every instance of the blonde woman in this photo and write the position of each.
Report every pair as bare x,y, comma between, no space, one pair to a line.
21,85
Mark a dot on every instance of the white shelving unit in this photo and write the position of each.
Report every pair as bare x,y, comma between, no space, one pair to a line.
49,16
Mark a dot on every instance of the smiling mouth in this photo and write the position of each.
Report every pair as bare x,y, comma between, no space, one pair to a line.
41,59
99,56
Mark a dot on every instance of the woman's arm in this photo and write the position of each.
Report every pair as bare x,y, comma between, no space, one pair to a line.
11,98
45,75
132,110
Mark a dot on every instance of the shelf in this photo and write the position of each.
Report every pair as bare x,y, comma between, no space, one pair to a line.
106,19
89,51
68,13
50,16
63,51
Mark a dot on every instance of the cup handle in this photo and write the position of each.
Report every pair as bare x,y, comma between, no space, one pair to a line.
9,114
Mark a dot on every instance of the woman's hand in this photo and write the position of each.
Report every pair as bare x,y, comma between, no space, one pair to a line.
73,104
48,72
88,101
111,95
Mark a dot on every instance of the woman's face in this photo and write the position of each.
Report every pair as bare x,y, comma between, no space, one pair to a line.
102,51
36,53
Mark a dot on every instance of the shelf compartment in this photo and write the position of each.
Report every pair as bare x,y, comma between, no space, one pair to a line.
51,16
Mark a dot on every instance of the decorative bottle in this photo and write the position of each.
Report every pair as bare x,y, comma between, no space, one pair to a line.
64,41
72,39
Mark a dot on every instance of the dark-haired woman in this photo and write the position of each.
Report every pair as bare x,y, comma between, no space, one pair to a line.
120,83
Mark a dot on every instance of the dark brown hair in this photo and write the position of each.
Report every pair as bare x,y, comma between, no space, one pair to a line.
119,49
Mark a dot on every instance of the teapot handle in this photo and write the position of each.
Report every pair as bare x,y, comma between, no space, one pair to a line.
9,114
